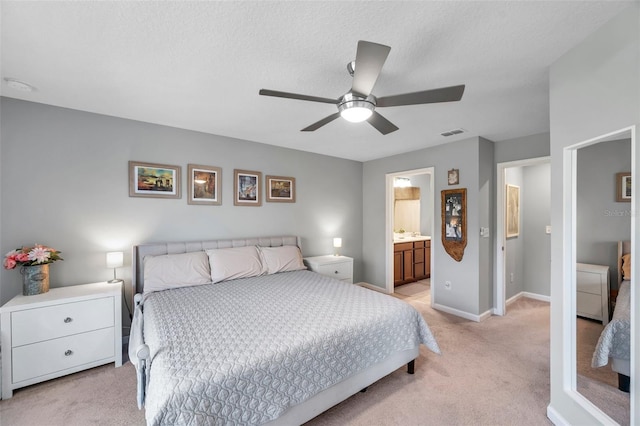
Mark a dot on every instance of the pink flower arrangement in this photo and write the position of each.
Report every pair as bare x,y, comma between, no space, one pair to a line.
29,256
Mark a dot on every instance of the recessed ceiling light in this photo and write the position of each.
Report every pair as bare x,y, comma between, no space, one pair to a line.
19,85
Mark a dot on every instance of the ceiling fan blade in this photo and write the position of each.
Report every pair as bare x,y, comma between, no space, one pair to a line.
370,58
383,125
444,94
318,124
277,94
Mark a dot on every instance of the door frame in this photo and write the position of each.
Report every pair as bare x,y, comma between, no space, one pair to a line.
389,200
499,291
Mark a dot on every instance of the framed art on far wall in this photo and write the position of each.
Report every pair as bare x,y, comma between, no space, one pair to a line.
280,189
623,187
513,211
154,180
205,185
247,188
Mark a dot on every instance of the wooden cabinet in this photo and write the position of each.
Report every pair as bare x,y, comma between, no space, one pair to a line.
411,261
65,330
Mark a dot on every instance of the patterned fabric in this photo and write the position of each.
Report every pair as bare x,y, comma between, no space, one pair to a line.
615,340
243,351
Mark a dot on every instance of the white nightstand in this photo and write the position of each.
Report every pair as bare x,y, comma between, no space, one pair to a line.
340,267
65,330
592,285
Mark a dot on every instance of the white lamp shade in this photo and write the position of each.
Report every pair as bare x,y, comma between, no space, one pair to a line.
115,259
337,242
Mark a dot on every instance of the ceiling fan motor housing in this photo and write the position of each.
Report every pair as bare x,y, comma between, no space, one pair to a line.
356,108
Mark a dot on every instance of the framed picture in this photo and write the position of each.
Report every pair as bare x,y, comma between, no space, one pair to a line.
281,189
453,177
247,188
154,180
454,222
513,211
623,187
205,185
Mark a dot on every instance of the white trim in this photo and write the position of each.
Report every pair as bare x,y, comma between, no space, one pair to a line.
500,304
372,287
555,417
389,199
528,295
462,314
568,291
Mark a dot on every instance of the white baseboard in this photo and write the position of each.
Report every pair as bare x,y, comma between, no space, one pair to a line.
372,287
555,417
535,296
462,314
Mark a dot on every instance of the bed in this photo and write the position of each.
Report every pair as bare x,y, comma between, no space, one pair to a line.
615,340
263,340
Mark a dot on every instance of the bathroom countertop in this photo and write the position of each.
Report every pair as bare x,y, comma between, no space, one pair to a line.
409,239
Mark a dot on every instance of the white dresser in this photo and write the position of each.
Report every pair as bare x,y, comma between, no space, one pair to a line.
339,267
592,285
65,330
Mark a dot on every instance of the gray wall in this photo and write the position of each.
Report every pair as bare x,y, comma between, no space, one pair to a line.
423,181
464,275
65,184
536,215
594,90
533,146
514,246
601,221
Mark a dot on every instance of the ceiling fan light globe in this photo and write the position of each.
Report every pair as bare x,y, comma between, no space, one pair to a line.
356,114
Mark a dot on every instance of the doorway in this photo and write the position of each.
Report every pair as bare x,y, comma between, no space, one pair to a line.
528,236
428,213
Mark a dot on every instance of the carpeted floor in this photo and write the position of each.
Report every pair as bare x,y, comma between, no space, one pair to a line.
490,373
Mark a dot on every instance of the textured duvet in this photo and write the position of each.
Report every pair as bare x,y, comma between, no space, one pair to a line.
244,351
615,340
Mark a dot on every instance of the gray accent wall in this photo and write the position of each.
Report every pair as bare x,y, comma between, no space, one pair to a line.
536,215
466,276
594,90
601,220
65,183
514,246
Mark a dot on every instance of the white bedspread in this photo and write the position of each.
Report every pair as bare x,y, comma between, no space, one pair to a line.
615,340
243,351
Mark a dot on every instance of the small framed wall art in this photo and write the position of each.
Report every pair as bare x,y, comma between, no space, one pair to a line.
453,177
280,189
247,188
205,185
154,180
623,187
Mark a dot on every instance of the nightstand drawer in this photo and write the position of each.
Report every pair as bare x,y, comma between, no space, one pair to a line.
51,322
589,305
336,270
56,355
589,282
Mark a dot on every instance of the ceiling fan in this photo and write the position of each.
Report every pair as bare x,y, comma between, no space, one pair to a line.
358,104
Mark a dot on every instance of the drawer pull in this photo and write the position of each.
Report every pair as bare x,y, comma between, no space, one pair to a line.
68,352
336,272
67,320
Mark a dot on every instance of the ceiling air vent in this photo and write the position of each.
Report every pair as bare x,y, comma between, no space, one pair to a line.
452,132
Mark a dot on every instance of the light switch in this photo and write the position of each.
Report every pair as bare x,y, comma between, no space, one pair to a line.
547,229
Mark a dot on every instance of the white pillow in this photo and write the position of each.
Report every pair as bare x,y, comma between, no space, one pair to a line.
236,262
282,259
176,270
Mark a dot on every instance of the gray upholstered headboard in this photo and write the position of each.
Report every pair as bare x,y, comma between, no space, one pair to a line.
156,249
624,247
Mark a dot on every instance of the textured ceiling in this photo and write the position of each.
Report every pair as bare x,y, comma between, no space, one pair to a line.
200,65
